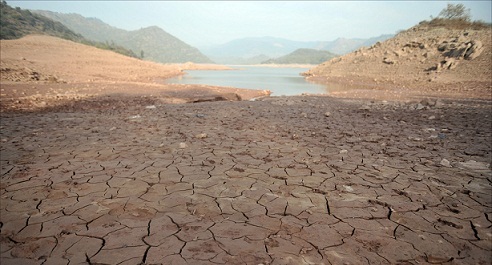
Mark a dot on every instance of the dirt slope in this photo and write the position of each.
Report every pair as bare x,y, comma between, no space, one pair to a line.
41,70
421,61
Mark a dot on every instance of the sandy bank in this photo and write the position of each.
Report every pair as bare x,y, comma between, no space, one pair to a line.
37,71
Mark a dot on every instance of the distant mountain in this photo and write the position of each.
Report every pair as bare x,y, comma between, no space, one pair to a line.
237,50
303,56
251,47
152,42
344,46
241,61
16,23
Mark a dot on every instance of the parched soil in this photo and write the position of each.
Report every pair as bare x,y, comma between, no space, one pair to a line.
287,180
417,63
133,171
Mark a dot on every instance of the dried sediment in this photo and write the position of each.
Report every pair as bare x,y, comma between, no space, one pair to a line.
273,181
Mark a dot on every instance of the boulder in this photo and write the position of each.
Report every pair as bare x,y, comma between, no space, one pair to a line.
387,60
449,63
476,48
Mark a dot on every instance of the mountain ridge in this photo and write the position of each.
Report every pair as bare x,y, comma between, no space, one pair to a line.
273,47
152,43
303,56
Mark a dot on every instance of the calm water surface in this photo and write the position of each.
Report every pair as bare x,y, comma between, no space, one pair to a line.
281,81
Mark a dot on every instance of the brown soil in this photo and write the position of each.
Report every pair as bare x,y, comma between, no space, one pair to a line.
413,65
105,171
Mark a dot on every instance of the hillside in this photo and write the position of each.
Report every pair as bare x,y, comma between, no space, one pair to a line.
17,23
425,59
152,42
38,71
302,56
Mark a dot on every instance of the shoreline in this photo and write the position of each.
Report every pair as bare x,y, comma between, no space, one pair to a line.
308,66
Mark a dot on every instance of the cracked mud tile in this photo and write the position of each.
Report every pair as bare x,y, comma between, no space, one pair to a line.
125,237
193,231
168,250
37,249
380,227
160,230
132,188
455,227
398,203
204,207
265,221
201,250
119,255
136,215
287,249
102,226
74,249
416,221
321,236
67,224
248,207
434,248
274,204
229,229
352,252
467,251
388,248
242,250
295,206
13,222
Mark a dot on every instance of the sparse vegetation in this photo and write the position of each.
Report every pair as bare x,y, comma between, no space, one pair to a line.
16,23
458,11
456,17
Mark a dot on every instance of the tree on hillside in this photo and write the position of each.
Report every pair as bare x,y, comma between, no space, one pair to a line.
458,11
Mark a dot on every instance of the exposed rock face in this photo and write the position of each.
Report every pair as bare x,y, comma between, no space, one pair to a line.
436,60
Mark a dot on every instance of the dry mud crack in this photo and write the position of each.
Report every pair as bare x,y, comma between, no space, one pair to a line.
295,180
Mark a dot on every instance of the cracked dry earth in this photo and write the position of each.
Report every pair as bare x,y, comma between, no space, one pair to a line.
289,180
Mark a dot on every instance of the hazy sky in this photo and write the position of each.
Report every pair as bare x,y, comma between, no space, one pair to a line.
202,23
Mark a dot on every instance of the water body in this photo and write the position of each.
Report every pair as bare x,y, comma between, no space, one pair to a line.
281,81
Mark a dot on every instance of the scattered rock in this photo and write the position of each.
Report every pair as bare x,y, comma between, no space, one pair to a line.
445,163
474,51
201,136
387,60
182,145
419,106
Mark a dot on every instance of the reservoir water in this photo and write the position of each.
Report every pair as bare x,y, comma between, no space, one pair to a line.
281,81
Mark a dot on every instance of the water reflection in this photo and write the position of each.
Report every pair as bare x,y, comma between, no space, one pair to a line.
281,81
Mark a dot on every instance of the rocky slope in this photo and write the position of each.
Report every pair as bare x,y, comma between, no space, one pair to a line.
422,60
